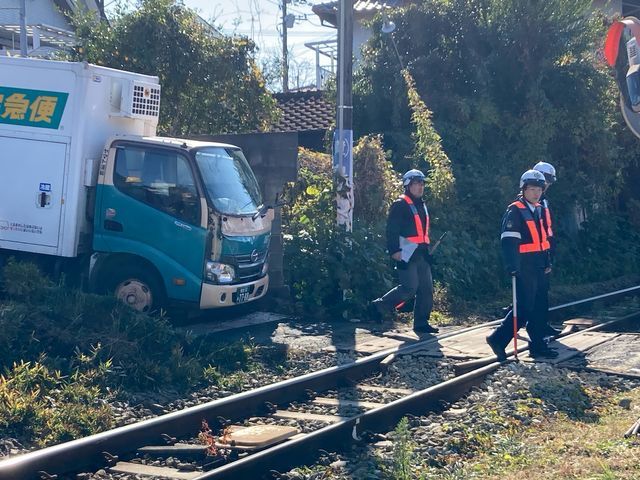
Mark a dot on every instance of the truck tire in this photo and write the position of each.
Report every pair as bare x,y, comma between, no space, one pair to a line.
138,288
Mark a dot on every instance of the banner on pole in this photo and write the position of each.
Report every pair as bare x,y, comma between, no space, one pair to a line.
343,157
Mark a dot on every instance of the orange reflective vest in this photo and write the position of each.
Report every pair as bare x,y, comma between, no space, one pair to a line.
547,216
539,242
422,235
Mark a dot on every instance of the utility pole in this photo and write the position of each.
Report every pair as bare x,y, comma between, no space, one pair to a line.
285,56
23,28
343,136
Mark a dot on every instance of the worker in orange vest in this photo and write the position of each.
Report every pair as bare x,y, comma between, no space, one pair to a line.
549,173
408,244
525,250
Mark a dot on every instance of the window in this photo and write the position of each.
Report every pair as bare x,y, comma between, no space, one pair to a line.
160,178
228,180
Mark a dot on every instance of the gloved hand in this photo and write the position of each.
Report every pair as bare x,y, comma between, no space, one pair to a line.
430,259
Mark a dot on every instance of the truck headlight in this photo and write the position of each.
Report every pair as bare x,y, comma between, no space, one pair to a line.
633,87
220,272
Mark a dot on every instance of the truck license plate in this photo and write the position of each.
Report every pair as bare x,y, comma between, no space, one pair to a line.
241,295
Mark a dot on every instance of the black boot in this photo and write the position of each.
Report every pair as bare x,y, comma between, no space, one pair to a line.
549,331
378,311
497,349
542,351
424,329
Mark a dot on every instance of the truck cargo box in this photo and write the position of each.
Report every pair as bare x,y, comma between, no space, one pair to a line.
55,118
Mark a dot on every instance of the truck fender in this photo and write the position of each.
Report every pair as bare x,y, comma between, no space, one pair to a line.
137,279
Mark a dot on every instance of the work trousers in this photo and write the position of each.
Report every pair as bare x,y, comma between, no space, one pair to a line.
544,306
415,280
532,302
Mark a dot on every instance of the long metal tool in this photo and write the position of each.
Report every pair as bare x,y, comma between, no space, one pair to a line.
435,246
515,318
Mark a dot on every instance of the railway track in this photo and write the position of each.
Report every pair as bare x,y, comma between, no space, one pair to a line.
214,445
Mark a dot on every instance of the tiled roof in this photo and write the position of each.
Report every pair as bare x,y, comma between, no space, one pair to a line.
303,111
328,12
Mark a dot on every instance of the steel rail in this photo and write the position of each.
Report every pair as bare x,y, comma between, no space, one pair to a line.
298,451
375,420
84,452
597,297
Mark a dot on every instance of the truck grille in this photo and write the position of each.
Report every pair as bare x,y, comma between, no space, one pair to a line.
248,267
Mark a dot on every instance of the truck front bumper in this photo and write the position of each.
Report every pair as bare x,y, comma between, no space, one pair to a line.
215,296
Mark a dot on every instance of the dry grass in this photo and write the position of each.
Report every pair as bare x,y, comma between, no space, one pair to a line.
568,449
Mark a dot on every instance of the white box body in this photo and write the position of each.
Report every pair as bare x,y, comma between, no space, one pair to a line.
49,162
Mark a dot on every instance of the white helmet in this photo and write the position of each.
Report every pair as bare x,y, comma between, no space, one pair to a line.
547,170
412,175
532,178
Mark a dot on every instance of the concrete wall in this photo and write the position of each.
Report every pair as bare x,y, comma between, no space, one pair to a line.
274,159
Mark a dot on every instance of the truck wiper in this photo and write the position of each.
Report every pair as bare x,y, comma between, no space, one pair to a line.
262,209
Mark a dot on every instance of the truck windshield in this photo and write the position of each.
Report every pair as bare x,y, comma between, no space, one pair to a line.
229,181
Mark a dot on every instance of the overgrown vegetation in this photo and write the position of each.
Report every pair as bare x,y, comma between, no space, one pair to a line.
42,405
333,274
63,353
509,83
41,317
567,447
403,453
429,152
489,89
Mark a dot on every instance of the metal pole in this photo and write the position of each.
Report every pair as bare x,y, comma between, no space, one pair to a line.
285,56
318,71
23,28
343,138
515,318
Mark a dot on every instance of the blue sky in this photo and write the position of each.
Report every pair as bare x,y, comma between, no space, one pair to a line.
261,21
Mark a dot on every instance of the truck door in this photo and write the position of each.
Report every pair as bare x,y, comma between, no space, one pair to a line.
152,209
31,186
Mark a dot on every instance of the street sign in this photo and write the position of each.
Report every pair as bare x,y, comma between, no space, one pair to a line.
343,157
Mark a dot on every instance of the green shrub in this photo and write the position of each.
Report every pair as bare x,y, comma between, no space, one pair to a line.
40,404
403,453
332,273
377,184
607,246
41,317
64,352
24,280
505,84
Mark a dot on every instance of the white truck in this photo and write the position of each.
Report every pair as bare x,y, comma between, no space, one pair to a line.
86,186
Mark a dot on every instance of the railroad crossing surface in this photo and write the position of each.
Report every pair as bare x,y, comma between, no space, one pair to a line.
617,353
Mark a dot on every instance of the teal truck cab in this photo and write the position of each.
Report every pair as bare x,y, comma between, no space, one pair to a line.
180,220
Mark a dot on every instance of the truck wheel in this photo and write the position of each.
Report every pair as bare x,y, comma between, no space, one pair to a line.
138,288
